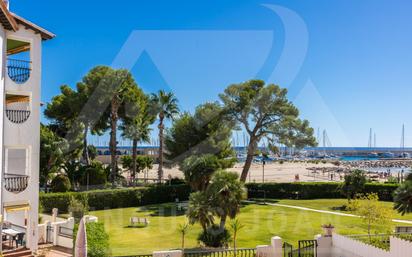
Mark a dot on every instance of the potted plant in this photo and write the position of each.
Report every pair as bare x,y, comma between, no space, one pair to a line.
328,229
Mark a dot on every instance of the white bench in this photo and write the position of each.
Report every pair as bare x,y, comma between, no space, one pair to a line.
136,221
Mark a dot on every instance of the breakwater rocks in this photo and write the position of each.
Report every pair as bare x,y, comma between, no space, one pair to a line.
386,164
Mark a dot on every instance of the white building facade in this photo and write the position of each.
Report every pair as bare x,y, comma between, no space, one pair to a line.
21,50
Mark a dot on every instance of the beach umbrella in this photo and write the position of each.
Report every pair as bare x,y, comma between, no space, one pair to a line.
80,249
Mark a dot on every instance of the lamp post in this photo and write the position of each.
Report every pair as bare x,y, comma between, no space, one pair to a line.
263,171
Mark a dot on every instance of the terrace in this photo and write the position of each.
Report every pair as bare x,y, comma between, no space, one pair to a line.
18,61
17,108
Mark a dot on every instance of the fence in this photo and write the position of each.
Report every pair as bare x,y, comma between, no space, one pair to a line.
306,248
382,245
241,252
65,232
381,241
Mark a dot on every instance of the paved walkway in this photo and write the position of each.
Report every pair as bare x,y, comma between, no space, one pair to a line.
327,212
55,251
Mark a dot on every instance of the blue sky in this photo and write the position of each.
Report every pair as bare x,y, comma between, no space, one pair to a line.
347,63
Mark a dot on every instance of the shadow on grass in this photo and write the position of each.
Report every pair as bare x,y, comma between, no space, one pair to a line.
259,201
164,210
136,226
343,207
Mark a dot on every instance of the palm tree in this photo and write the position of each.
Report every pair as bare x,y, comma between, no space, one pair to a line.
235,227
200,210
165,105
226,193
403,198
137,130
183,229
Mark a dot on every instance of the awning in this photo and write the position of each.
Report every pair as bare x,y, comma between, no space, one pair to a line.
14,207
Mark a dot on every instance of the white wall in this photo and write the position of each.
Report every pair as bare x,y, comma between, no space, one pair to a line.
348,247
26,134
355,248
400,248
3,41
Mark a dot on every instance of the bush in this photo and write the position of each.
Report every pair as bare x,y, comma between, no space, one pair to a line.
97,239
177,181
61,183
314,190
78,207
95,173
215,237
116,198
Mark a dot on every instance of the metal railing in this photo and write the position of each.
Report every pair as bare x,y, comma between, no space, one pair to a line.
15,183
18,70
306,248
17,116
65,232
139,255
241,252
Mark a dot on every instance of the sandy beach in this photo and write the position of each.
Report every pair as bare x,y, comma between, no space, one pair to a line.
274,172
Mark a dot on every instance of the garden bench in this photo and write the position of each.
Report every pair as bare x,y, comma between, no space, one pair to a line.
136,221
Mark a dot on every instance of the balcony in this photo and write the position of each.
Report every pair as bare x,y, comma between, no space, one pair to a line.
17,116
18,70
15,183
17,108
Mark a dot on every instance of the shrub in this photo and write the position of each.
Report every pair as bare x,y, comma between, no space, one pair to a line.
60,183
300,190
214,236
177,181
116,198
96,174
354,184
78,207
314,190
97,239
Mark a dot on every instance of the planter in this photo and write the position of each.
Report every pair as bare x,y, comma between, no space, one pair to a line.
328,230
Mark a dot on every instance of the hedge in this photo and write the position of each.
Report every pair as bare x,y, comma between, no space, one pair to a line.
116,198
313,190
97,239
131,197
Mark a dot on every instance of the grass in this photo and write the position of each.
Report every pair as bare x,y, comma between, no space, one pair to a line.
335,205
261,223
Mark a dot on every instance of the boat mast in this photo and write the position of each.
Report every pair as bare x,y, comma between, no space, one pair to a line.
370,138
403,141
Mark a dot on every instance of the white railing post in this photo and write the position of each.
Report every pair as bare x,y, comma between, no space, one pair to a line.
277,246
272,250
324,246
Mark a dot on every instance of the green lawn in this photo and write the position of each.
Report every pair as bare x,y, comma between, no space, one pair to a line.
334,204
261,223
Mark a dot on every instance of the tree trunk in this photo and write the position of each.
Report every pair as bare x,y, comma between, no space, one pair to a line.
134,156
249,158
161,127
234,243
86,158
113,140
183,241
222,222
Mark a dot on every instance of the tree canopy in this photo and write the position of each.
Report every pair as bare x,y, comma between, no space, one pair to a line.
264,111
204,132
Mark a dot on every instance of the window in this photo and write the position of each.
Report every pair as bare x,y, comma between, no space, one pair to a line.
17,160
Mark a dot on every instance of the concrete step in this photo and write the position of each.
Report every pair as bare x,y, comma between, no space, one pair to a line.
24,252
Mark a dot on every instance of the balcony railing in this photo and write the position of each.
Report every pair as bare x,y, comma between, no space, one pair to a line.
15,183
18,70
17,116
